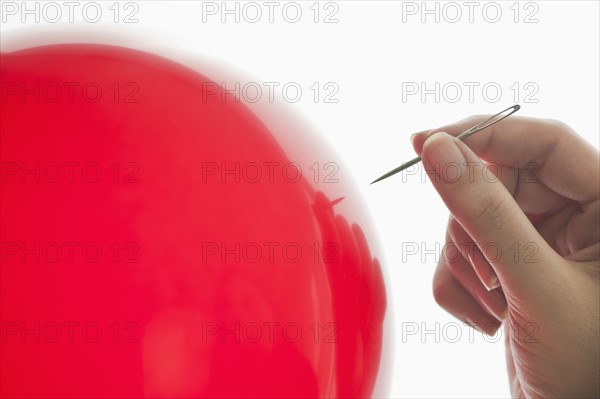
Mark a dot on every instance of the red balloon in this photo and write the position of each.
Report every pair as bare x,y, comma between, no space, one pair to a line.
158,240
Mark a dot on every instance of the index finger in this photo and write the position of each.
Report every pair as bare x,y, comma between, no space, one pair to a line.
564,161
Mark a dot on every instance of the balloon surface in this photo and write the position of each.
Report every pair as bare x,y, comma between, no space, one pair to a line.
157,239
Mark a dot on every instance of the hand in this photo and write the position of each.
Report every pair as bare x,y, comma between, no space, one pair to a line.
524,198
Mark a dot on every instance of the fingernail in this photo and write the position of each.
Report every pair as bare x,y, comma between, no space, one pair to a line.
441,153
412,138
417,134
492,283
483,269
493,301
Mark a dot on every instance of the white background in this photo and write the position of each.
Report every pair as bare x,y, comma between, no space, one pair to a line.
545,57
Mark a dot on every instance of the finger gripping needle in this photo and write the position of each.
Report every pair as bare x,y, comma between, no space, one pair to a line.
467,133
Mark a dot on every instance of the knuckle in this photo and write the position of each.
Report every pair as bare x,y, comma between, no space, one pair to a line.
493,208
455,230
558,125
440,294
453,260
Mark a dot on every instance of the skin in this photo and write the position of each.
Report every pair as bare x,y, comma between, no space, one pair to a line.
526,244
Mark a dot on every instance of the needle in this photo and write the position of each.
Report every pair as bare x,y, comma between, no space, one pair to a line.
477,128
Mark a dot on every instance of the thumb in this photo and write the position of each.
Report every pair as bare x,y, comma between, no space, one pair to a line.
487,212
